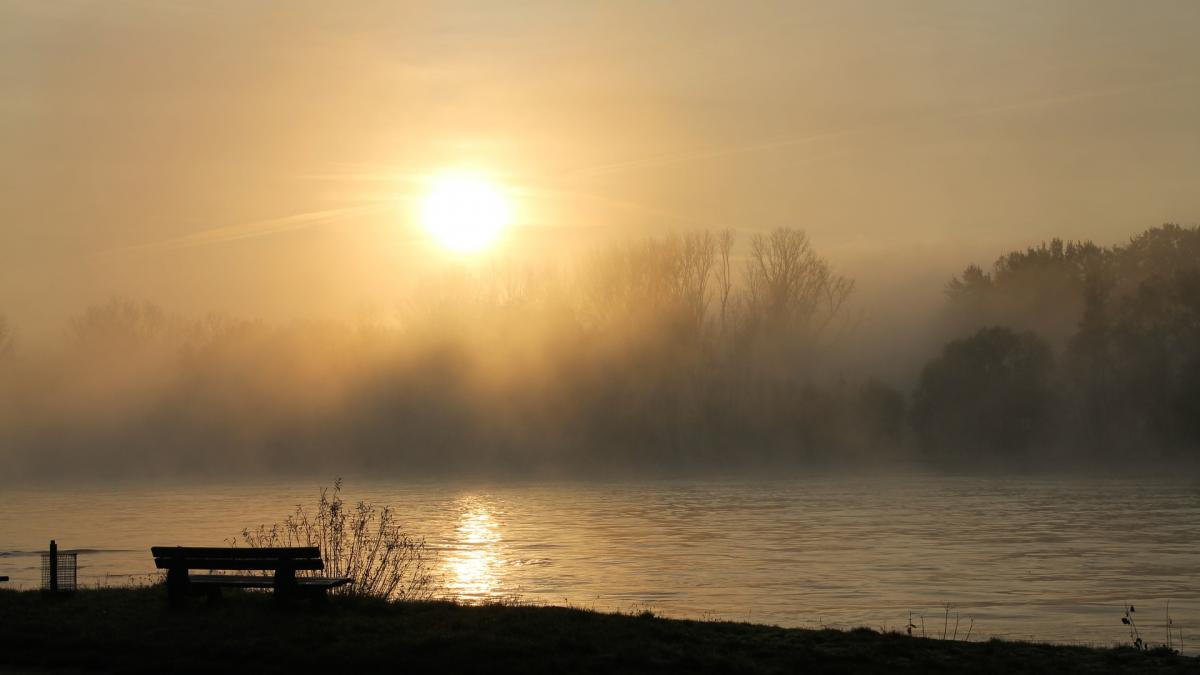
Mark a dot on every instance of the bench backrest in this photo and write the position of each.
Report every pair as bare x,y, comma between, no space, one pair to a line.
201,558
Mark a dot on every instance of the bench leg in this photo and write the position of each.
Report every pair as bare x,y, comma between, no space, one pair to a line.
177,587
285,585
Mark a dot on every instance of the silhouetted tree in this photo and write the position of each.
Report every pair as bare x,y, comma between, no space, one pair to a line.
880,412
1156,360
1130,367
790,297
120,322
649,285
724,274
1124,317
789,287
1092,402
990,392
1162,252
1038,289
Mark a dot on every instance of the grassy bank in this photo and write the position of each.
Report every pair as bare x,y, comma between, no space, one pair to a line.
131,630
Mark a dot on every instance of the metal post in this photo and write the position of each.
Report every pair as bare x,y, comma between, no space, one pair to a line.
53,567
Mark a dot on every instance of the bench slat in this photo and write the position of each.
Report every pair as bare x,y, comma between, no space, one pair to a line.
245,564
241,581
234,552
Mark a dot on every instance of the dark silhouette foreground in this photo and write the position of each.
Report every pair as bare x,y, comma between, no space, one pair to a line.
131,630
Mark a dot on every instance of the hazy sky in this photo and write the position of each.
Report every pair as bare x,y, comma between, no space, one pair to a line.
262,158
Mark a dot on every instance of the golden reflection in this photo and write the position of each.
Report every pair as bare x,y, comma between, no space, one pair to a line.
474,558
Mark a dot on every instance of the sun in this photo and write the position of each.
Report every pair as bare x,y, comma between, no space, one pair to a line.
465,213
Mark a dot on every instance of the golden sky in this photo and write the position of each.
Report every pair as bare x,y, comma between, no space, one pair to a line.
264,158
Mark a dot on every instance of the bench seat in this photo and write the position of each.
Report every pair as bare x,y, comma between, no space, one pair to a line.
260,581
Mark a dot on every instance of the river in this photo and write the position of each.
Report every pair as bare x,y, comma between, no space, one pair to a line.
1031,558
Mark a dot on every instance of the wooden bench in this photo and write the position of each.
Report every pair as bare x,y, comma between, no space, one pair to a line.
285,562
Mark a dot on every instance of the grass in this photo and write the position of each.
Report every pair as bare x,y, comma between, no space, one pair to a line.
131,630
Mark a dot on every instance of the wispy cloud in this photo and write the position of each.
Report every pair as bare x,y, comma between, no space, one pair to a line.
261,228
701,154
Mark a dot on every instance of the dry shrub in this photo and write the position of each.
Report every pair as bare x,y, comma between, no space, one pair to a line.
364,542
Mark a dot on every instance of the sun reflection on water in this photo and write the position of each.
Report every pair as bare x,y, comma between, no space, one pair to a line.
474,556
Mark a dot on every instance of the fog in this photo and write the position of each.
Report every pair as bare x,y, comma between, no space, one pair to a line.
684,354
211,262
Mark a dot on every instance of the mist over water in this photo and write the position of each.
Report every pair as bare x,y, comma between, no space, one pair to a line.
703,353
1043,559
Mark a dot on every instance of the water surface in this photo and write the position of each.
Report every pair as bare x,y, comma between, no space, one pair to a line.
1021,558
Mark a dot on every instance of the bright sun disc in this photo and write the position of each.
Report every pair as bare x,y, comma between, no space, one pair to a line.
464,213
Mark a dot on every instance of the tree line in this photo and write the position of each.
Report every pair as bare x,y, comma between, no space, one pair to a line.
683,352
1071,353
690,352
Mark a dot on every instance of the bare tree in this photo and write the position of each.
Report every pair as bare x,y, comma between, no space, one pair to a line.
790,289
656,280
725,241
121,321
696,254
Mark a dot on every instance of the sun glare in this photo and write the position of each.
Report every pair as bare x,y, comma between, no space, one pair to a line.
465,213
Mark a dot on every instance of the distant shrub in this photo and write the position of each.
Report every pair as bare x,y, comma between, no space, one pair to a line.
364,542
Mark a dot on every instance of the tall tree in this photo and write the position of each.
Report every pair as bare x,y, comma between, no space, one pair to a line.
724,274
790,289
987,396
